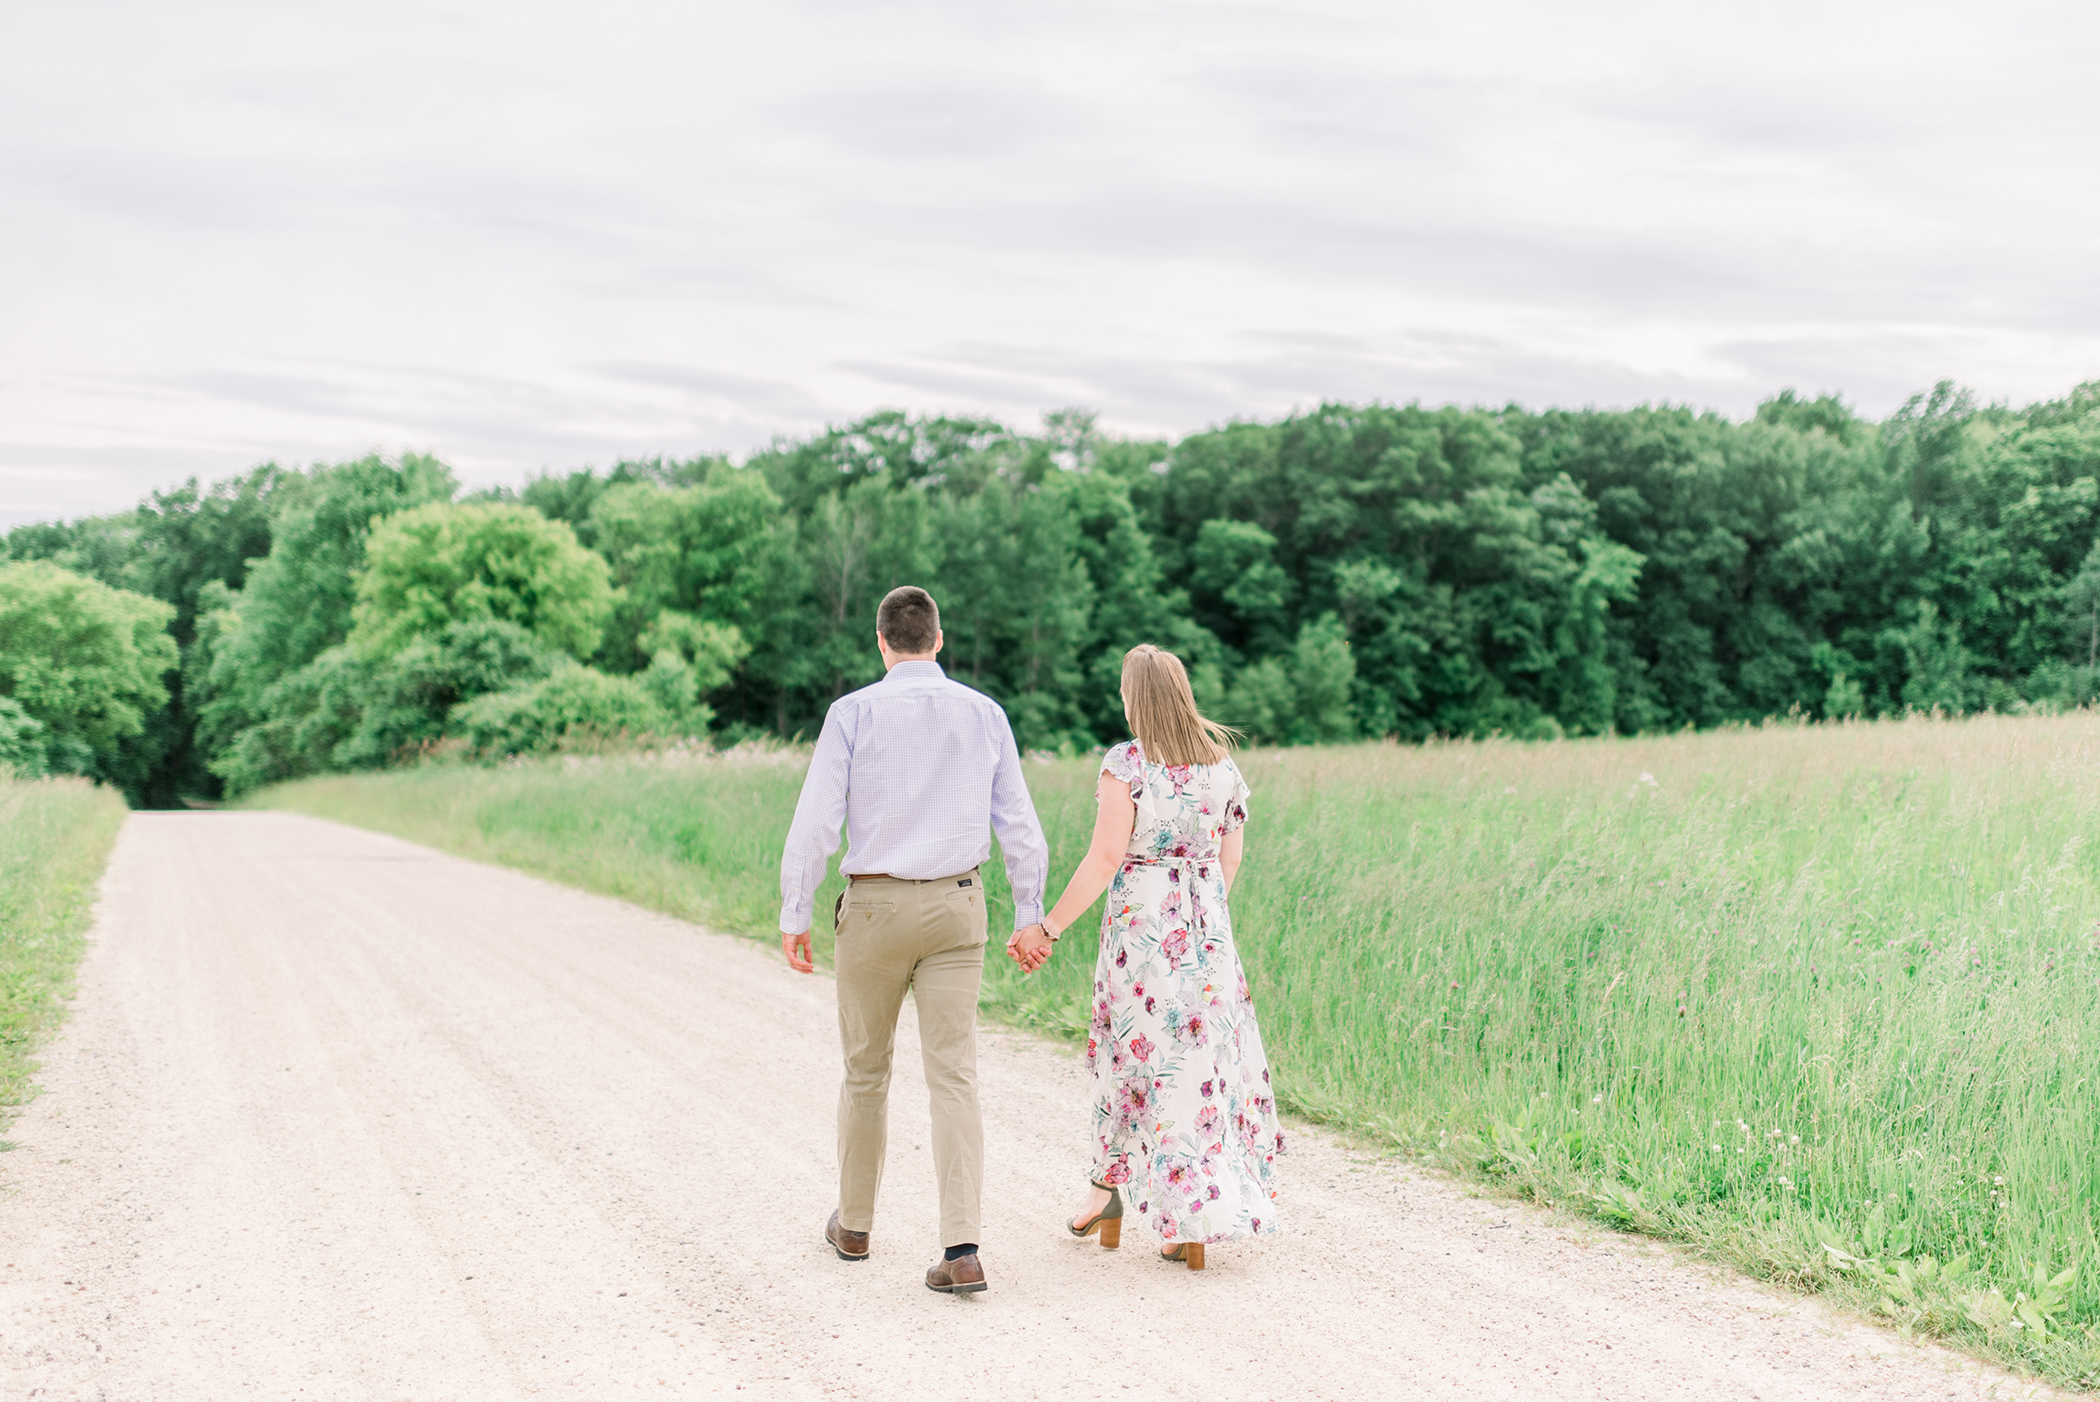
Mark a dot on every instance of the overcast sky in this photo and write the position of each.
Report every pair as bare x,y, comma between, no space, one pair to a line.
526,235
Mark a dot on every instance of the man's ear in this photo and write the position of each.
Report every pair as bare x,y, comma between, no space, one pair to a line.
938,638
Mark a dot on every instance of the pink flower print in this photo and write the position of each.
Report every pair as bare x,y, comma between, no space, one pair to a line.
1194,1029
1207,1120
1151,1005
1213,1192
1142,1047
1118,1172
1209,1089
1175,944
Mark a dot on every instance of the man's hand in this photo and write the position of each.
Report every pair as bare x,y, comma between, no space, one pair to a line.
796,947
1030,948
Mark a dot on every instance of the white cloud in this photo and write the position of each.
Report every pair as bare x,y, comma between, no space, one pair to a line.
534,235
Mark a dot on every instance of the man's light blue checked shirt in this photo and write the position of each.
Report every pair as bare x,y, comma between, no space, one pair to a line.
921,770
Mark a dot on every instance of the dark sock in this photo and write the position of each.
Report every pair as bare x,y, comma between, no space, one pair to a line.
956,1253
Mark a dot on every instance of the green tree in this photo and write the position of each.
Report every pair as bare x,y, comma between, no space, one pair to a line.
1302,698
296,604
87,664
1015,604
404,702
897,450
436,565
836,563
707,549
689,657
174,546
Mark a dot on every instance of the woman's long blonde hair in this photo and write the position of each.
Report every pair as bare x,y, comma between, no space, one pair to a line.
1161,709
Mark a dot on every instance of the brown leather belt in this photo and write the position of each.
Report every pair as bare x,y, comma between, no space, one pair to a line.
914,880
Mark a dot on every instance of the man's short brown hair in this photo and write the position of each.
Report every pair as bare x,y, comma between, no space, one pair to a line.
909,619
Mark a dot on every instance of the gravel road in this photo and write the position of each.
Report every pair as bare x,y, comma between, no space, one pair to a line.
336,1116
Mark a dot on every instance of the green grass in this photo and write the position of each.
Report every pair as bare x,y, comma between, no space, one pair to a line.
1823,1002
55,836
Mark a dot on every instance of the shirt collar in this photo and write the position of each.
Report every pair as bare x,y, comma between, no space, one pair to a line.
908,671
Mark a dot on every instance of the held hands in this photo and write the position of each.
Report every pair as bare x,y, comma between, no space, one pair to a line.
796,947
1030,948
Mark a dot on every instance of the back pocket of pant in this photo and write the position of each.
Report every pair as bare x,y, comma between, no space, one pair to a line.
865,911
966,903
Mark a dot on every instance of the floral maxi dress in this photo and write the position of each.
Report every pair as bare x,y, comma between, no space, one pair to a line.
1184,1116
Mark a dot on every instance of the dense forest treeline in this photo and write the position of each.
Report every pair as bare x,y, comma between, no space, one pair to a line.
1349,571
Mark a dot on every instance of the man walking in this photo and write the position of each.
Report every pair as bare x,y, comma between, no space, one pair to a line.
918,767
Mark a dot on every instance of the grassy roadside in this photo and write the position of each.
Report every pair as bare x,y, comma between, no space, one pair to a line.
1821,1002
55,838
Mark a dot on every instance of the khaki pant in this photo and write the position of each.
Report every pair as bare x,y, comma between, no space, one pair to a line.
929,937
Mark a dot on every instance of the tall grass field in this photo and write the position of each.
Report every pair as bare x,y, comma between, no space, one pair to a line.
55,837
1822,1001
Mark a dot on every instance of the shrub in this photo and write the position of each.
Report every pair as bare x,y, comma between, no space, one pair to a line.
574,702
408,700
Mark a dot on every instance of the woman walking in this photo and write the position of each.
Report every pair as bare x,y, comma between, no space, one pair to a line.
1184,1117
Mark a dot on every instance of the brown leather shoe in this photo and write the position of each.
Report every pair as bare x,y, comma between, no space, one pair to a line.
963,1277
851,1246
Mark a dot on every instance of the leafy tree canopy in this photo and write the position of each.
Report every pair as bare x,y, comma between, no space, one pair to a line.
82,668
436,565
1386,570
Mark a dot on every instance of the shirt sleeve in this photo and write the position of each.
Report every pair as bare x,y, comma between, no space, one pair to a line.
1236,806
1020,834
814,835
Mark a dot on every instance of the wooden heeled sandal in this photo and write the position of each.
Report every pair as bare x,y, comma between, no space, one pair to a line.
1108,1221
1189,1251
